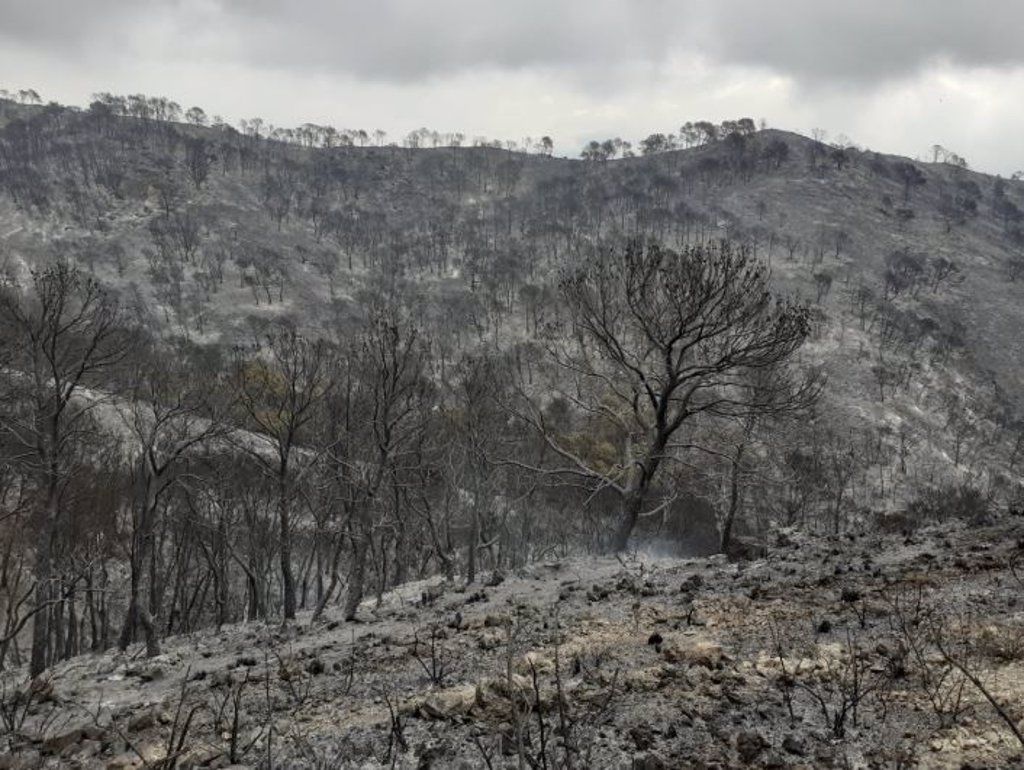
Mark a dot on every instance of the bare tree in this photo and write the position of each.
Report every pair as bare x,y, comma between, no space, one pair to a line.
475,425
199,159
61,335
910,176
375,420
279,390
663,337
169,414
774,396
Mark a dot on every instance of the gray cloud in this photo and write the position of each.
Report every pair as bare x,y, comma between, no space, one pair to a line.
411,40
408,41
865,41
61,26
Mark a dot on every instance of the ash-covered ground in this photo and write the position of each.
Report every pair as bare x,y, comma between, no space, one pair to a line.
883,651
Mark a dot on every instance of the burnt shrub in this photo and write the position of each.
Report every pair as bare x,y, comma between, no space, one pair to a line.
950,501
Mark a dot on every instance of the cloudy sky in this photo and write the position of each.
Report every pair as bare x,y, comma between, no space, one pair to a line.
892,75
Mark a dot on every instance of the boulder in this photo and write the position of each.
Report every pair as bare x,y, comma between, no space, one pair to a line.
649,761
795,745
742,549
147,719
692,651
58,744
533,661
448,705
749,745
490,640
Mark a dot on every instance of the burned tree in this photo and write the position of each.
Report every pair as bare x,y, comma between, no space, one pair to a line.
60,336
169,414
279,390
662,337
380,421
771,394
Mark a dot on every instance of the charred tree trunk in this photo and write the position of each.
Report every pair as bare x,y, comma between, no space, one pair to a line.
734,499
138,613
636,494
357,576
326,595
473,545
44,570
284,519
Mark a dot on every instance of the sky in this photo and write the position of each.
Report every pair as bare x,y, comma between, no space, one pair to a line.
890,75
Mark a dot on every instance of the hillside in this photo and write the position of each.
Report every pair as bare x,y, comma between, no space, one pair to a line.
249,379
213,234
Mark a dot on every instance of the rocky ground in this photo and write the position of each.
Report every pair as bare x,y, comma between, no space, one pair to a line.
894,651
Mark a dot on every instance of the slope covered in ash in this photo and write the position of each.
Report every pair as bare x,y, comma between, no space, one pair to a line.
213,234
391,321
865,650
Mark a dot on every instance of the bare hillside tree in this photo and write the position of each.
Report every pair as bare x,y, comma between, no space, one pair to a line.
279,391
771,394
474,423
662,337
60,335
170,413
376,422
